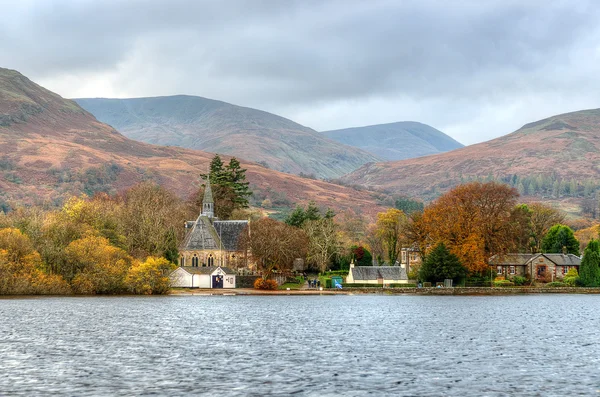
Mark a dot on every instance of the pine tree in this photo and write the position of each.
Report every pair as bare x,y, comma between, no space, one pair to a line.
589,271
237,179
560,237
171,253
440,264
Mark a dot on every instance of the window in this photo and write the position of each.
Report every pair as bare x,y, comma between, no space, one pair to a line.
195,261
182,261
512,270
499,270
565,269
211,261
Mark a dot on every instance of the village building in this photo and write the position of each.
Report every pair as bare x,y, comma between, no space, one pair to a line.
210,254
410,256
376,275
546,267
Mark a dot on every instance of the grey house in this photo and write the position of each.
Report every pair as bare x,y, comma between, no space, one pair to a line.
376,275
538,266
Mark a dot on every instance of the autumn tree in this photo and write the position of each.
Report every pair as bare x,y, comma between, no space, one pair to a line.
150,276
542,218
376,243
323,242
274,245
560,239
391,228
475,221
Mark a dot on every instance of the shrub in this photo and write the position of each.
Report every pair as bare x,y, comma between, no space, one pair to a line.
519,280
555,284
149,277
571,277
265,284
503,283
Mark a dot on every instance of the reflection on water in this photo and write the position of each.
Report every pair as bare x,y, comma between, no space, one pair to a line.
282,345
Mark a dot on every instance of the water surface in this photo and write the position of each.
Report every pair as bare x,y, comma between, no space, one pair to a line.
542,345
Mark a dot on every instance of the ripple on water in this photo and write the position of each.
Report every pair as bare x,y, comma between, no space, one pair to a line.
290,345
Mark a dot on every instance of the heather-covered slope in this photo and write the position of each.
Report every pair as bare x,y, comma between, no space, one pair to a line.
396,141
218,127
550,158
51,148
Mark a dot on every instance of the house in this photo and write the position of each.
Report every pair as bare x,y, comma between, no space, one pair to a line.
376,275
410,256
546,267
203,277
210,242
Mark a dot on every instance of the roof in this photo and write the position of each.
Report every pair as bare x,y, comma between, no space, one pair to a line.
524,259
564,260
202,236
511,259
208,196
377,272
230,232
206,270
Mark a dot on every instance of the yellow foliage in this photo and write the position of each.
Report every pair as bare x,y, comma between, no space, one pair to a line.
150,276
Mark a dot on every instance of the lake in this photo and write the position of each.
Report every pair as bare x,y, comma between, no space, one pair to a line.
532,345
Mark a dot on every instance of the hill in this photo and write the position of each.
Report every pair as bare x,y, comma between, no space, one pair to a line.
52,148
396,141
549,159
219,127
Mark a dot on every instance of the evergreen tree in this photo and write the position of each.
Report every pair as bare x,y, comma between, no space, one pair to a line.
237,179
171,253
589,271
560,238
440,264
300,215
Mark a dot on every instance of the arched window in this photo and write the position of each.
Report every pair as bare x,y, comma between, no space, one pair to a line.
211,261
182,261
195,261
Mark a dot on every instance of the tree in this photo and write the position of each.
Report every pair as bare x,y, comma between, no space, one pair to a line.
274,245
589,270
391,227
542,218
475,221
560,239
323,243
408,206
440,264
300,215
361,256
150,276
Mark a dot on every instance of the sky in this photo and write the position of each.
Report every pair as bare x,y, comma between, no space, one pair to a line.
475,70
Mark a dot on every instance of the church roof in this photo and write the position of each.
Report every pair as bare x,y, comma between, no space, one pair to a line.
377,272
230,233
208,196
201,236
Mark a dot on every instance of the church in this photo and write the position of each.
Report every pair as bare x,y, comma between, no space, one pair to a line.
210,249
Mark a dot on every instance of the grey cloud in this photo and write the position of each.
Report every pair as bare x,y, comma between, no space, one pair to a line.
447,62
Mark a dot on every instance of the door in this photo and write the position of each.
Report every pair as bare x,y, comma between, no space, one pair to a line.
217,282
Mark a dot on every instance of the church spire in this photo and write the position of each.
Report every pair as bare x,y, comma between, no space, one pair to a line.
207,202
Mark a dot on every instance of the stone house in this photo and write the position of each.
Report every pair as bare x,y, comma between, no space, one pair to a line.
376,275
538,266
410,256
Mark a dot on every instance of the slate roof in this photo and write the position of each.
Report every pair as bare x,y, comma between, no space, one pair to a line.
524,259
206,270
511,259
376,272
564,260
208,196
230,233
201,236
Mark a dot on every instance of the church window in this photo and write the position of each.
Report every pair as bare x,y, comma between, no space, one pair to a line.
182,261
195,261
211,261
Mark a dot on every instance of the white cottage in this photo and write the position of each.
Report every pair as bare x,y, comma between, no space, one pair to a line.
376,275
203,277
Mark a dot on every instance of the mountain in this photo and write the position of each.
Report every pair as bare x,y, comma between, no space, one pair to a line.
551,158
219,127
396,141
52,148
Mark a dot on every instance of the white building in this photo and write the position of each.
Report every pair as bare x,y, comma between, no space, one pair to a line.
376,275
203,277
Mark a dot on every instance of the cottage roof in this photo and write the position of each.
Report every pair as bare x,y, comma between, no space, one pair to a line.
230,233
524,259
377,272
510,259
206,270
564,260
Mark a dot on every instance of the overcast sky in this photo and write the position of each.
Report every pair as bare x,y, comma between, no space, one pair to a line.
473,69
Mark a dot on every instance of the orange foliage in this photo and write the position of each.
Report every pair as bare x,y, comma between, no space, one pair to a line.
474,220
259,283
